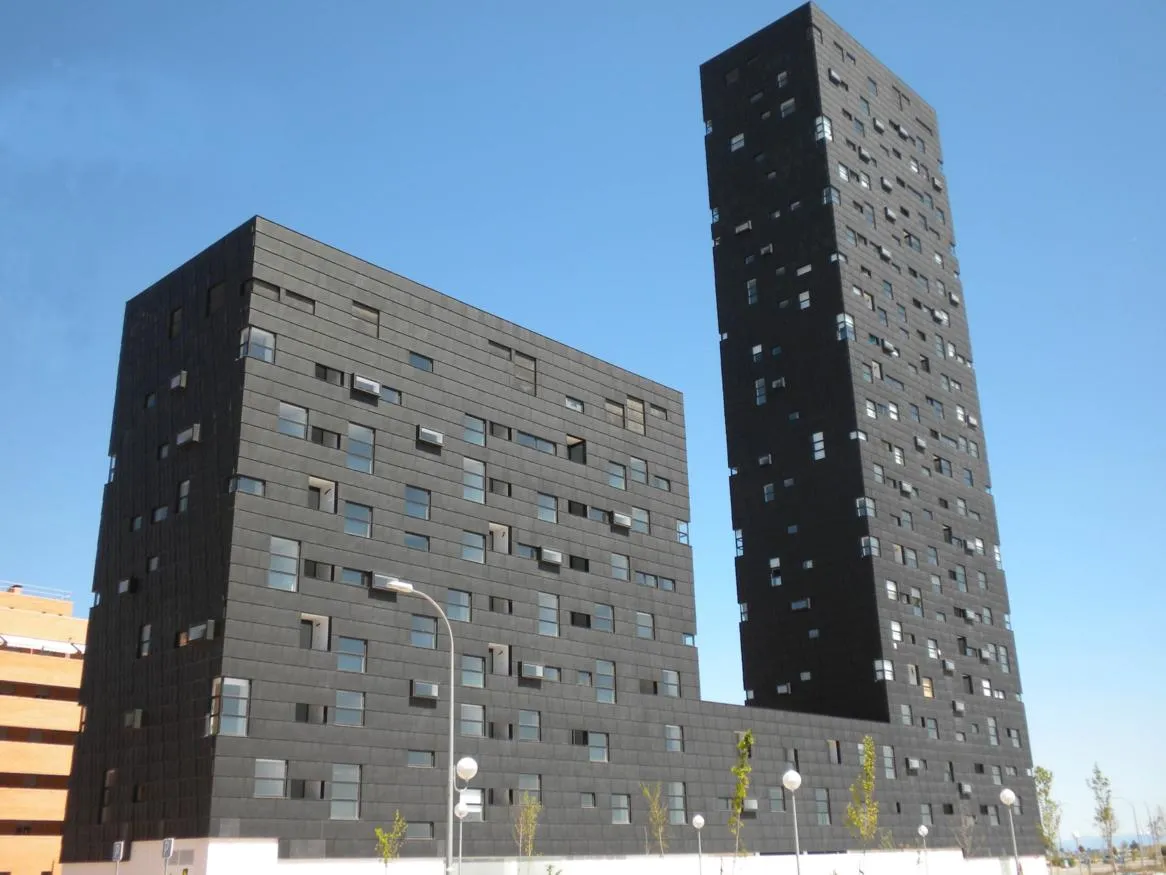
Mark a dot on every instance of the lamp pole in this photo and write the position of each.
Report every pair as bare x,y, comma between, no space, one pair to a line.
698,825
1008,799
467,767
403,587
1080,851
791,780
923,838
1137,828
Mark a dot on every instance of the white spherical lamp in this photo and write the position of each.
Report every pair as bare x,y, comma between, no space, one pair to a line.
698,822
467,767
1007,797
791,780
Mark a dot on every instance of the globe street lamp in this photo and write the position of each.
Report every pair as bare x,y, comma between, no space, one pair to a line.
1008,799
923,838
791,780
467,767
698,825
403,587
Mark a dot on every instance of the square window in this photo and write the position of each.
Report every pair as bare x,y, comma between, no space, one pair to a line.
357,519
421,362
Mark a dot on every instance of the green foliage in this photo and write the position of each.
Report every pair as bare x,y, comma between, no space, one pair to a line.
1104,817
741,771
389,842
862,812
657,814
526,816
1050,810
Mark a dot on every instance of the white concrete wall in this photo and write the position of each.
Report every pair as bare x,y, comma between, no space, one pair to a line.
259,857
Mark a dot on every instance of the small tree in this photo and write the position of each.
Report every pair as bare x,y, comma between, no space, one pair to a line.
657,814
862,812
1156,826
526,816
1104,817
965,828
389,842
741,771
1050,811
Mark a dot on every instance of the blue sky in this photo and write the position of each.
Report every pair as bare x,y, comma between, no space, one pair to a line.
545,161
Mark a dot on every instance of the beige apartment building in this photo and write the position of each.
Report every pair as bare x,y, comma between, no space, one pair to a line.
41,650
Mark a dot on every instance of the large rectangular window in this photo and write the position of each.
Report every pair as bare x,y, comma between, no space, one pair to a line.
345,792
474,481
617,475
674,796
417,502
548,614
474,430
473,671
358,519
230,706
472,721
474,547
349,710
351,653
548,508
605,681
645,625
620,567
423,632
361,441
674,738
292,420
821,807
270,779
255,343
621,808
283,564
457,605
529,726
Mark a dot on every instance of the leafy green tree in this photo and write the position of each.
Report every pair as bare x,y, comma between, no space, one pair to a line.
389,841
1104,817
862,811
526,816
657,814
741,771
1050,811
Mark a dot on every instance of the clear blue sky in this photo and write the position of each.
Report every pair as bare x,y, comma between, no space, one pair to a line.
545,161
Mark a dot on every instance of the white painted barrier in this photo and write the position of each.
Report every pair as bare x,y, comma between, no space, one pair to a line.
260,857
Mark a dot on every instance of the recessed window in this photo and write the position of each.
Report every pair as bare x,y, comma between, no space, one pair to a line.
548,614
183,502
620,567
351,654
474,547
345,792
367,319
329,375
474,430
417,502
321,495
423,632
421,362
645,625
529,726
474,481
358,519
457,605
577,449
472,721
256,343
473,671
270,779
421,759
415,541
617,475
292,420
621,808
283,564
604,680
361,441
548,508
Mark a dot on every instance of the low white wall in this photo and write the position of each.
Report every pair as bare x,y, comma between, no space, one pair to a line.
260,857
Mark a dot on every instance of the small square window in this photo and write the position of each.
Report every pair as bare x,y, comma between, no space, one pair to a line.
421,362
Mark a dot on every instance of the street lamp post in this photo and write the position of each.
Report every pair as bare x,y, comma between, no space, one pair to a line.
1008,799
791,780
698,825
923,838
1079,850
467,767
1137,828
403,587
